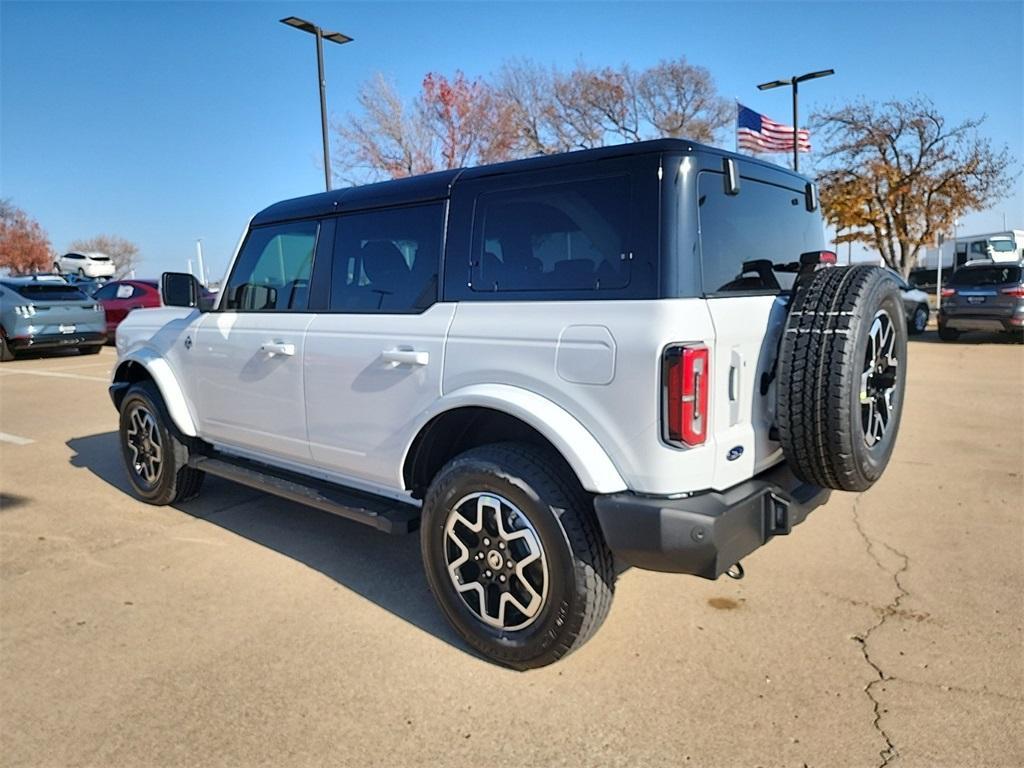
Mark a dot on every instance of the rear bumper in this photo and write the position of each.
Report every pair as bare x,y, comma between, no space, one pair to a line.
706,533
57,340
1005,322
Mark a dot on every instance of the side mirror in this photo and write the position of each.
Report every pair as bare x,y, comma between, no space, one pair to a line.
179,289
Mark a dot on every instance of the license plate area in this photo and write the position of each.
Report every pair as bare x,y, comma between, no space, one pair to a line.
975,299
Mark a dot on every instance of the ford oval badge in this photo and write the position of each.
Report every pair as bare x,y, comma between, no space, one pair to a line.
734,453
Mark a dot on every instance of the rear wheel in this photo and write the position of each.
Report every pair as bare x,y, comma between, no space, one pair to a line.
948,334
514,555
56,268
842,373
919,321
156,460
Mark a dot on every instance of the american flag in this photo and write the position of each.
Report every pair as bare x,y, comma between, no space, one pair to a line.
757,133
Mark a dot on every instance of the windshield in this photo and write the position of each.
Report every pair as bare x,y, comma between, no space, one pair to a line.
47,291
1002,246
986,276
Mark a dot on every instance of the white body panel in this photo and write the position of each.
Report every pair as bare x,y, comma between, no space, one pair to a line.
369,378
518,344
246,375
355,390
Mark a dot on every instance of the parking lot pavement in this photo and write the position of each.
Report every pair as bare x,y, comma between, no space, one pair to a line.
240,629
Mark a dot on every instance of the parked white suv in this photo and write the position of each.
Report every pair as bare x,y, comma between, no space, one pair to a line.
90,264
556,368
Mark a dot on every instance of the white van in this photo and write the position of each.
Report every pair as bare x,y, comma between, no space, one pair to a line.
1005,246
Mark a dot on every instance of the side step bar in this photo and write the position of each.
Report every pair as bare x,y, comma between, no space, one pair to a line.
381,513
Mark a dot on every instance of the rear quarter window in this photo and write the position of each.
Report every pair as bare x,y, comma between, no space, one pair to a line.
748,241
47,291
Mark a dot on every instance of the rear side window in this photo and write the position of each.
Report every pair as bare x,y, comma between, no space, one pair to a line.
995,275
272,271
557,237
751,242
387,260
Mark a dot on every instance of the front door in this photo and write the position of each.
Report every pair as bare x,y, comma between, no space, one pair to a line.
373,362
247,355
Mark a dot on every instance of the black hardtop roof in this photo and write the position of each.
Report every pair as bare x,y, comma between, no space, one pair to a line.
438,185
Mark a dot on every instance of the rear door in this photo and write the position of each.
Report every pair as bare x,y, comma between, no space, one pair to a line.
745,238
373,361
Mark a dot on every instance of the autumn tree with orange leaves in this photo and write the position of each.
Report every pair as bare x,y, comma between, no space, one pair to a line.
896,175
24,247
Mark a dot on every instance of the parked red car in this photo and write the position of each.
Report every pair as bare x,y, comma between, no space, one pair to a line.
122,296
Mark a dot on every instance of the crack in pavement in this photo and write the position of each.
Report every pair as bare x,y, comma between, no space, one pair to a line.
889,752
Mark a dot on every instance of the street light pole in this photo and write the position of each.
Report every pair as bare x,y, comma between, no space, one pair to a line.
320,35
794,83
323,106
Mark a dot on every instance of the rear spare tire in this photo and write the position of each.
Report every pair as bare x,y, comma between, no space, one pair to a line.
842,375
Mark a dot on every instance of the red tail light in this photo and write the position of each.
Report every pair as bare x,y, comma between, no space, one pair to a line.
1017,292
947,292
826,257
686,394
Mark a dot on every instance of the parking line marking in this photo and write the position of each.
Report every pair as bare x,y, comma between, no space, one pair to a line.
16,439
55,375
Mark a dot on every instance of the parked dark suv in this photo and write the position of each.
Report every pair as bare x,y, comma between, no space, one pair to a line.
983,297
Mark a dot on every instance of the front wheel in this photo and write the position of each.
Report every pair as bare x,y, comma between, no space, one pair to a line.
514,555
6,353
156,460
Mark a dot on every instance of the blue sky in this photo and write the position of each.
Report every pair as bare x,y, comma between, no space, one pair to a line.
166,122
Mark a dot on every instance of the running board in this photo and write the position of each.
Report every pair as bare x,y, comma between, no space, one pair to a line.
381,513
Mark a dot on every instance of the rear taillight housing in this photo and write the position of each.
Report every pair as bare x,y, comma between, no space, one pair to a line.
1016,291
947,292
685,394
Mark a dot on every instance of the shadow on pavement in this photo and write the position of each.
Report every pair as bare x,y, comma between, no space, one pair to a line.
968,337
386,570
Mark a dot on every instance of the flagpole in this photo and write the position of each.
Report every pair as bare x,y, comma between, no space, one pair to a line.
796,143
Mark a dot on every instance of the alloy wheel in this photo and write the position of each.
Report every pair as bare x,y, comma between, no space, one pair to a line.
143,440
496,561
878,380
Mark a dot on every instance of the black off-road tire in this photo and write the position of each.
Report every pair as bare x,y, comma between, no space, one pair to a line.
829,433
580,579
172,479
948,334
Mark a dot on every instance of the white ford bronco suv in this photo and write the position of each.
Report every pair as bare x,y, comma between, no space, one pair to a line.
555,368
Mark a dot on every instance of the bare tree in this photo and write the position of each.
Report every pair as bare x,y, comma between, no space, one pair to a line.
525,110
124,253
388,140
680,100
897,174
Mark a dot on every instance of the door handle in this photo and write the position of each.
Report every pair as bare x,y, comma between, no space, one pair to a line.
405,357
275,348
